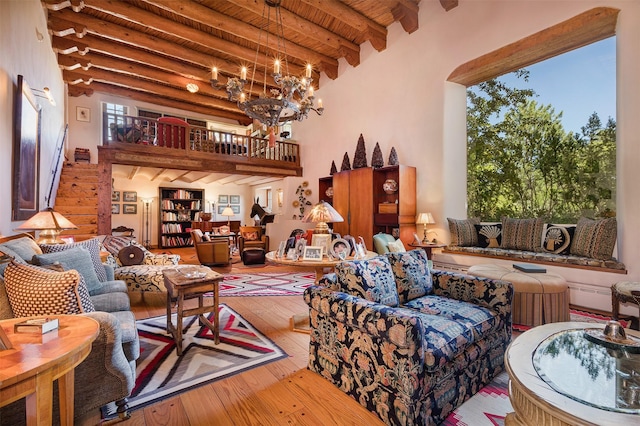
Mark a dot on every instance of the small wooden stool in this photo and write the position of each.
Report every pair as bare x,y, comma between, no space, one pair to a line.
181,286
539,298
625,292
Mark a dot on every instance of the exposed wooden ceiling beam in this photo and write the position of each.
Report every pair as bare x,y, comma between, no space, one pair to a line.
158,174
163,101
209,17
448,4
133,172
369,30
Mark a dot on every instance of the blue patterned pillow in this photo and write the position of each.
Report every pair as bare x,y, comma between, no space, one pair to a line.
24,247
370,279
412,275
77,258
93,245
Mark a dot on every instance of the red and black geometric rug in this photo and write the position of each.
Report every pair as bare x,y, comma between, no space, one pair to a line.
162,374
266,284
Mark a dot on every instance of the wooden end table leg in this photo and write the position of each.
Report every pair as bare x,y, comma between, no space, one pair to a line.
65,392
216,314
40,403
179,321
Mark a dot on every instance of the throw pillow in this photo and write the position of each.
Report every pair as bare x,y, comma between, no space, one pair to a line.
369,279
595,238
16,258
77,258
412,275
489,235
93,245
396,247
25,247
113,244
557,239
463,231
36,291
250,236
522,234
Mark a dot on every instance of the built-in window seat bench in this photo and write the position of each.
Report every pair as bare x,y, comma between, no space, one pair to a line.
589,276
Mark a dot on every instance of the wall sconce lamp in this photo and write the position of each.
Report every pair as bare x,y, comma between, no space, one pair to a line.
46,93
50,224
426,219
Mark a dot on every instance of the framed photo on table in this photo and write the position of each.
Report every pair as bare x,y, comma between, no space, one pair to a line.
321,240
313,253
340,248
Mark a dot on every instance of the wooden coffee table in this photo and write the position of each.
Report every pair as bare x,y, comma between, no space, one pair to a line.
36,360
180,287
581,371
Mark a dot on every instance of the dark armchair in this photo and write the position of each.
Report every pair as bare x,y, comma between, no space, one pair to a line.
252,237
213,252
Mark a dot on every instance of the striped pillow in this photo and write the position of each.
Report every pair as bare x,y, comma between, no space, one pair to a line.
595,238
463,231
37,291
522,234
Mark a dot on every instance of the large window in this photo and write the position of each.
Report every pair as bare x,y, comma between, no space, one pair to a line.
541,141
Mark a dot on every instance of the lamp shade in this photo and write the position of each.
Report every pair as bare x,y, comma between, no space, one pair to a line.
227,211
49,223
320,214
425,218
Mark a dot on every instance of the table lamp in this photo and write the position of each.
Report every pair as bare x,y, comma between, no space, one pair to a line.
425,219
50,224
320,214
228,212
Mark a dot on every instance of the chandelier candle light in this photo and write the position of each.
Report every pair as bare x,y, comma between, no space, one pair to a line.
291,98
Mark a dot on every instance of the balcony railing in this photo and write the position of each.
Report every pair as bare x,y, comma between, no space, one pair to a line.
173,133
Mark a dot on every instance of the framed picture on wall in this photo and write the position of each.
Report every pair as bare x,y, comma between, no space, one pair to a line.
130,208
234,199
115,208
115,196
83,114
236,209
221,208
223,199
129,196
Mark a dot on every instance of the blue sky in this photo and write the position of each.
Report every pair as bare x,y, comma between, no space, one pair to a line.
577,83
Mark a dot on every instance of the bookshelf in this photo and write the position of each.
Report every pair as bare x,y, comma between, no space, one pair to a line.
178,208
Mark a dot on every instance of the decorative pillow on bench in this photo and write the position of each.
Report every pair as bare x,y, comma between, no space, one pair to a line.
595,238
463,231
522,234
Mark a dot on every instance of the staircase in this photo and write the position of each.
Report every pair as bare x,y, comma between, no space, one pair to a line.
77,198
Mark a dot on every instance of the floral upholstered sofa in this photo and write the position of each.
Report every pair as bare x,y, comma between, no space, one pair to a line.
408,343
140,269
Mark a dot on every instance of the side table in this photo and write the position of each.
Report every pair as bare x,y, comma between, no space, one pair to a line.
36,360
427,247
183,284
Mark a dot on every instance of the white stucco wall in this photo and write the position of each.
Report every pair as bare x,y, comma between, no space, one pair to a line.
24,53
400,98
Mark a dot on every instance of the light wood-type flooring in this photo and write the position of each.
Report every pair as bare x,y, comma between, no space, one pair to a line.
280,393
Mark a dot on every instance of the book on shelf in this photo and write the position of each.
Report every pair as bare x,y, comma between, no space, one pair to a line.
36,325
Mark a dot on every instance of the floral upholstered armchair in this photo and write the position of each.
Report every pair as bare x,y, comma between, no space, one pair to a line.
408,343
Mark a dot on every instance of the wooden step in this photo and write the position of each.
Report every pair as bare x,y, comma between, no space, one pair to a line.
76,192
82,219
71,209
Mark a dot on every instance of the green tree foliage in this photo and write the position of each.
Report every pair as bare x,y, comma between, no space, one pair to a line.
522,163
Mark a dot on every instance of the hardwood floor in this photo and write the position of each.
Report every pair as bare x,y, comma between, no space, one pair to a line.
280,393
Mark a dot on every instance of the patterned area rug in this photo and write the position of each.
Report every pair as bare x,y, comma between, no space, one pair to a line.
266,284
161,373
490,406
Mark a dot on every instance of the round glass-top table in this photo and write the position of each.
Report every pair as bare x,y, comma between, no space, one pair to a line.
589,372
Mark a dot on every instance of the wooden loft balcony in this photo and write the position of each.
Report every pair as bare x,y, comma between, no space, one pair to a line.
173,143
170,143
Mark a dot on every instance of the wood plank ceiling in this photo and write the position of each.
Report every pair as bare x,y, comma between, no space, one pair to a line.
148,50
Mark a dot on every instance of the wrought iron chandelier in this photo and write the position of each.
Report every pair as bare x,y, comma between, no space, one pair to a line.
290,99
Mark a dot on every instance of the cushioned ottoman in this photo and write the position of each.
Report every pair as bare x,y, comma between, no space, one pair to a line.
253,256
145,277
539,298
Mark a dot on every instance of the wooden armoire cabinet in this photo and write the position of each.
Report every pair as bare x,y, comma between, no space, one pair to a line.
373,200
